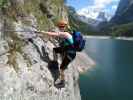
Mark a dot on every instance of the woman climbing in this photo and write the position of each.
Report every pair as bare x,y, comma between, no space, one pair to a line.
66,49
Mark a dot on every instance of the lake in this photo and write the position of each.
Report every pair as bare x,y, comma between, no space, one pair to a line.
112,77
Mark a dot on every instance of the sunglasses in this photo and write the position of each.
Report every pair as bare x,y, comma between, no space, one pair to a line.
62,26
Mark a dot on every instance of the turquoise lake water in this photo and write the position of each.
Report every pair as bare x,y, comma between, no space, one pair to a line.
112,77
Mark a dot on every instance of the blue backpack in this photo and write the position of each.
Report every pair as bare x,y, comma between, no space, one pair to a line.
79,41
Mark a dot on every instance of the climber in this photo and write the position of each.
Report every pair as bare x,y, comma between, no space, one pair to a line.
66,49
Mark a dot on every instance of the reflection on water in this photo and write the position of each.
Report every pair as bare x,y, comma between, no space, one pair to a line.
112,78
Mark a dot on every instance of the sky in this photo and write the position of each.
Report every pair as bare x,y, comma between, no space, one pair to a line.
91,8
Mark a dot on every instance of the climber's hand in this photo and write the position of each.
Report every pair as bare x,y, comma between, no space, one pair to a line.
42,32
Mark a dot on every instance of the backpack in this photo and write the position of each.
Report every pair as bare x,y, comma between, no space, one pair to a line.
79,41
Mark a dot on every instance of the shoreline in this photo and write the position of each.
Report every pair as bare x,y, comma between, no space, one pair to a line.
109,37
83,62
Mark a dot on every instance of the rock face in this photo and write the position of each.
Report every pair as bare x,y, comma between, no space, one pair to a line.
24,55
24,72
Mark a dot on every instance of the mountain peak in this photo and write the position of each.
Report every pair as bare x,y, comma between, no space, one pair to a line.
101,17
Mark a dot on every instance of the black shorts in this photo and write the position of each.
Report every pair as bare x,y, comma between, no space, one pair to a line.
68,56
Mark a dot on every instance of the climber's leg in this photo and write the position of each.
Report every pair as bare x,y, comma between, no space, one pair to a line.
64,66
60,82
56,51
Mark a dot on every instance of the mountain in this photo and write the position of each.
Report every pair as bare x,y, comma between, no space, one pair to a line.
122,22
92,13
81,23
124,13
89,21
93,22
101,17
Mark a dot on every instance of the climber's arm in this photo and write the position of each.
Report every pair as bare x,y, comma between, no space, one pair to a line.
57,34
52,33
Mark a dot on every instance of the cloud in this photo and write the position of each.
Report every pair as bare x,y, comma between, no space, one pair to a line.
107,6
90,12
101,3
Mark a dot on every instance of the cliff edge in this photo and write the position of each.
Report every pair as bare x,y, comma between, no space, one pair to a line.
25,56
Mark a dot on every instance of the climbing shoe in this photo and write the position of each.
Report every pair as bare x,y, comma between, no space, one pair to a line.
59,83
